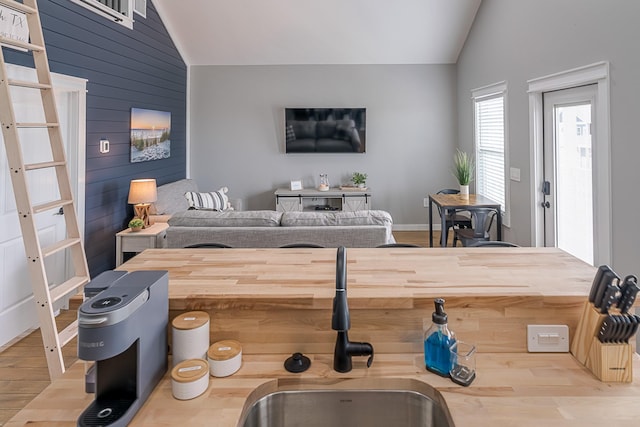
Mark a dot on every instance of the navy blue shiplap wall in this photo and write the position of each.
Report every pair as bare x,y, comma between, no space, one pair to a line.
124,68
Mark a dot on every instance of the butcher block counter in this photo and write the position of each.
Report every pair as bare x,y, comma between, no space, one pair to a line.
278,301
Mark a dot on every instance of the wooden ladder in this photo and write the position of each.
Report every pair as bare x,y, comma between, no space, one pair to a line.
44,295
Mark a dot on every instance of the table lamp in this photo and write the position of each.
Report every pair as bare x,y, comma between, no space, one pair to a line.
143,192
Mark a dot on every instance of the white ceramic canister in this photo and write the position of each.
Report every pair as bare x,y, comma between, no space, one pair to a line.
225,358
189,379
190,336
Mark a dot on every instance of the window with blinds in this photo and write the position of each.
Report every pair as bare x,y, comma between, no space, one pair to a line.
490,143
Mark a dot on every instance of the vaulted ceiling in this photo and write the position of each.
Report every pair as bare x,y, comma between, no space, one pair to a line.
270,32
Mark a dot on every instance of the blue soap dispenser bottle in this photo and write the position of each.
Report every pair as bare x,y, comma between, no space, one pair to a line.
438,340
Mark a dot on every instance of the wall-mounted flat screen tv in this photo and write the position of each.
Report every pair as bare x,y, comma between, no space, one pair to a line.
325,130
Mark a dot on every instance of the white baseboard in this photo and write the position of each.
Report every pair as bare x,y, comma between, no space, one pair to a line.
414,227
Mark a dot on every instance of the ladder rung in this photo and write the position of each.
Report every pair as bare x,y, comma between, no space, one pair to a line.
43,165
22,45
65,288
59,246
68,333
24,83
56,204
18,6
37,125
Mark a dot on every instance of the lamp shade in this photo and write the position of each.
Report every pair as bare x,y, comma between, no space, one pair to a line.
142,191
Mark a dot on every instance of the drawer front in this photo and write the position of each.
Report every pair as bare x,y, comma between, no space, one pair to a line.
356,203
137,244
288,204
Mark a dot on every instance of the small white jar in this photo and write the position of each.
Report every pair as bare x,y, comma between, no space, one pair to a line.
190,336
189,379
225,358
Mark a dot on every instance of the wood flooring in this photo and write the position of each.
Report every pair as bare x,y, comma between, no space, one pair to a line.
23,366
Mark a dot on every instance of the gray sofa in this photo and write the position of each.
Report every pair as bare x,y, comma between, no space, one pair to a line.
265,228
327,136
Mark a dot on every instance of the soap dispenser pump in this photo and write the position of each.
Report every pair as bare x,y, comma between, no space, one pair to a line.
438,340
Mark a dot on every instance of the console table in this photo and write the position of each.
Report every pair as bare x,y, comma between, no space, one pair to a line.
335,199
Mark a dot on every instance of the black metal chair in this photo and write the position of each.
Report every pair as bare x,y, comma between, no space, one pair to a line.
493,243
454,218
207,245
398,245
482,219
302,245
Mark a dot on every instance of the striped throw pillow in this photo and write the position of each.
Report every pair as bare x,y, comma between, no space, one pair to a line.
214,201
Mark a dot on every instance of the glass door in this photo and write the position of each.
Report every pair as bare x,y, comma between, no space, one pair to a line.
568,171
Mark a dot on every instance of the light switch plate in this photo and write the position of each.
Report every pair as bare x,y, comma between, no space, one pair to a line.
514,174
104,146
548,338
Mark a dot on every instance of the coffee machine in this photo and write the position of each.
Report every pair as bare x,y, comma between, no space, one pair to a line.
124,330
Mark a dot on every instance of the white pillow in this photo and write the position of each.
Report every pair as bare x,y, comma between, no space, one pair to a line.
215,200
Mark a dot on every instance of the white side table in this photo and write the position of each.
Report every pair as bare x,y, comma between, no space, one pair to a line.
137,241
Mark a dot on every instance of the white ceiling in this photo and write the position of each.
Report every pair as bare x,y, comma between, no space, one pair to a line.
270,32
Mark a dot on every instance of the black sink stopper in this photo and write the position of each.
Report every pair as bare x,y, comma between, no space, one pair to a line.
297,363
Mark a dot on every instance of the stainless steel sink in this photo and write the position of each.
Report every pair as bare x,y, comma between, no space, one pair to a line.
370,402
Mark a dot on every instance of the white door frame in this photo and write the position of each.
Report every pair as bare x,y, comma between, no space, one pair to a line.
597,73
24,312
76,154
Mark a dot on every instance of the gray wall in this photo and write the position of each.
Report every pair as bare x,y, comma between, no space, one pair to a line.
520,40
237,131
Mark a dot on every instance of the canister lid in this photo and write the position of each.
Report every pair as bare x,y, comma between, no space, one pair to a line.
190,370
224,350
190,320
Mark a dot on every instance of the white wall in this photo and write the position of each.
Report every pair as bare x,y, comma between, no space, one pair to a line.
520,40
237,130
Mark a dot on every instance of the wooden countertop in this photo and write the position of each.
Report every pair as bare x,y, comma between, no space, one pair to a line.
395,277
276,301
524,390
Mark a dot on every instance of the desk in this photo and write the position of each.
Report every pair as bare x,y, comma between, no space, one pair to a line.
457,201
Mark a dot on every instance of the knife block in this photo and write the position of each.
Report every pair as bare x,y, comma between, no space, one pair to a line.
608,362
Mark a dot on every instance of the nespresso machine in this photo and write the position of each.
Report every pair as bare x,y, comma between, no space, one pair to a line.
124,330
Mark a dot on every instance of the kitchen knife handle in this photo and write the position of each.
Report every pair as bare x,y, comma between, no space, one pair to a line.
596,282
605,330
635,320
610,296
629,290
608,277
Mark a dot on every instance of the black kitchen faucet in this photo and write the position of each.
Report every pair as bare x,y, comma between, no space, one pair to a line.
341,321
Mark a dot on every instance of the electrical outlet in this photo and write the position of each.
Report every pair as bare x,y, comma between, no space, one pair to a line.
425,202
548,338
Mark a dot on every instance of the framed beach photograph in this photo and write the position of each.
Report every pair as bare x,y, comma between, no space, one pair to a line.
150,135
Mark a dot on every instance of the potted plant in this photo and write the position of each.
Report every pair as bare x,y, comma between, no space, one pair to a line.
136,224
463,170
359,179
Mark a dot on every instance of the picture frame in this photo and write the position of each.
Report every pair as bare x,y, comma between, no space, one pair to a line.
150,135
296,185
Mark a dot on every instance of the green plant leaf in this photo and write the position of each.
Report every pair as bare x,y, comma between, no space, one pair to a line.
463,167
359,178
